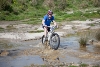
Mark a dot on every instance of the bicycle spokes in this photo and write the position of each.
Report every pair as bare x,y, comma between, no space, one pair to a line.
54,41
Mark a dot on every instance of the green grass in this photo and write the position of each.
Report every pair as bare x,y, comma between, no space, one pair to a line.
20,10
83,65
33,21
77,15
96,66
10,27
73,66
1,29
92,24
60,16
37,31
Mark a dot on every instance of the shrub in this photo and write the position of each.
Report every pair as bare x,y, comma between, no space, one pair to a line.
6,5
83,41
1,29
97,36
83,65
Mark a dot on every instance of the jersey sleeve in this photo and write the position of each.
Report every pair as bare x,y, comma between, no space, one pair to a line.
45,17
52,18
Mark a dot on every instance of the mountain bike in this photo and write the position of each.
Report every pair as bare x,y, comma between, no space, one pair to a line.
53,39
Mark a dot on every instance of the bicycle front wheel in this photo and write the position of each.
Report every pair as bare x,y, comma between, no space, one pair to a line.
54,41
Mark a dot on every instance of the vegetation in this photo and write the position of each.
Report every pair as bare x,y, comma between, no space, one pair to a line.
83,65
73,66
1,29
97,36
36,9
83,41
37,31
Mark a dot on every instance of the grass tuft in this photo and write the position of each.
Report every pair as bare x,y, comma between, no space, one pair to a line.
83,65
97,36
83,41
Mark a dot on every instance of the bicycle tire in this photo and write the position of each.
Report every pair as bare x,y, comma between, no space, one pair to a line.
52,45
42,39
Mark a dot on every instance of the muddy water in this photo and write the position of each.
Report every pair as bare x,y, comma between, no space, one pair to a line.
20,61
26,53
73,54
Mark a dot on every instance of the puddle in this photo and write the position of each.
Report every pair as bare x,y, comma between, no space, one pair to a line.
72,52
6,44
69,42
21,61
69,59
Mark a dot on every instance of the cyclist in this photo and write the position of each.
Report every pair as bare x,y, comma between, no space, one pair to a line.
48,18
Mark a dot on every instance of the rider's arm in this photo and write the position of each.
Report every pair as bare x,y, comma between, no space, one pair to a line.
43,22
44,19
54,23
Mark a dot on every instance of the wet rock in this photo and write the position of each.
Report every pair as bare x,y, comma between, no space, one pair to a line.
13,52
96,43
91,42
4,53
57,58
95,27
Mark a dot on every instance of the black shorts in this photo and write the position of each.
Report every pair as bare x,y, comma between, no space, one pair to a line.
48,28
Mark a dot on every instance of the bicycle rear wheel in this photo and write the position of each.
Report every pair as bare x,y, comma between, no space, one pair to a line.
44,42
54,41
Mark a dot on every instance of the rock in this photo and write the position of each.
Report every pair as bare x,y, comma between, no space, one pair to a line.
70,12
40,28
95,27
81,27
82,22
96,43
4,53
68,27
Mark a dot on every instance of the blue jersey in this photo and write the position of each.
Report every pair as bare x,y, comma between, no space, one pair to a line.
48,20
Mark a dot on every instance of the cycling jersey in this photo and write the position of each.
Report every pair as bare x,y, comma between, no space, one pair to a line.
48,20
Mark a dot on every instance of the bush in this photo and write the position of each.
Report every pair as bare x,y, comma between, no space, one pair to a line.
96,3
83,65
83,41
97,36
6,5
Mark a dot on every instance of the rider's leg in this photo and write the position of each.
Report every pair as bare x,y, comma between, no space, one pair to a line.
45,31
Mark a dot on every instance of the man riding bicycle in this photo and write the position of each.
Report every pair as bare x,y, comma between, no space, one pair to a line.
48,18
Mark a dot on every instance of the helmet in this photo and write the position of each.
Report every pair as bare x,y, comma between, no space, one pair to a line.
50,12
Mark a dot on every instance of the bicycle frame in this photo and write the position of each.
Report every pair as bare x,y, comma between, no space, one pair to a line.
51,31
53,39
